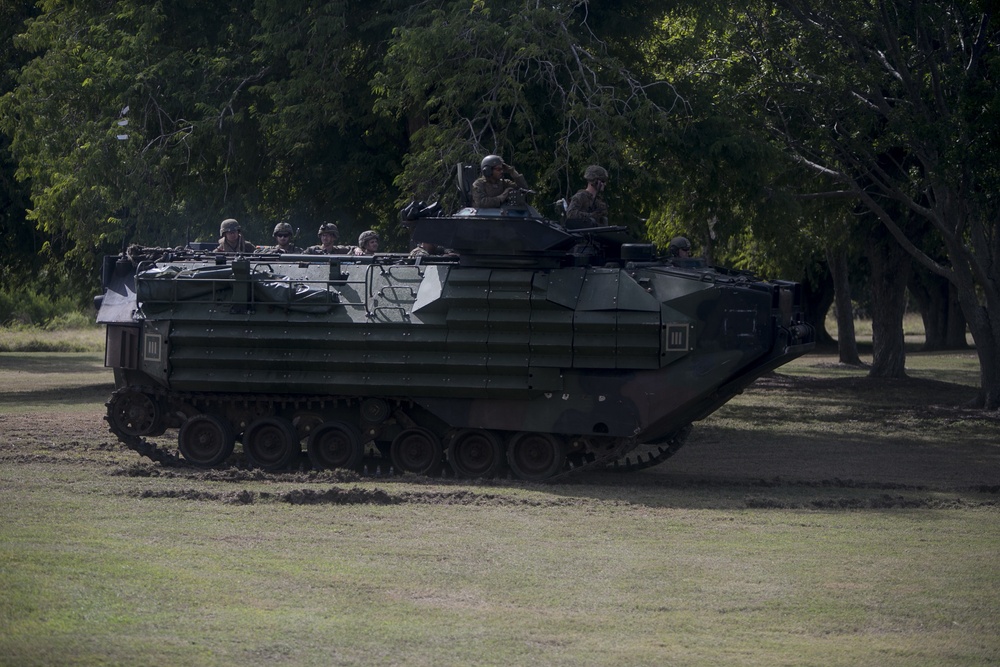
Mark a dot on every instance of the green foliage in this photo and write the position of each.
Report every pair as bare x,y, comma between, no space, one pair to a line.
727,124
129,119
27,306
540,84
333,157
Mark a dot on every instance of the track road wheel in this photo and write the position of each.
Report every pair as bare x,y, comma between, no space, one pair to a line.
536,456
134,413
476,453
416,450
206,440
335,444
271,443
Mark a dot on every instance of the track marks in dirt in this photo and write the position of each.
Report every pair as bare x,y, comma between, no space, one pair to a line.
383,497
360,496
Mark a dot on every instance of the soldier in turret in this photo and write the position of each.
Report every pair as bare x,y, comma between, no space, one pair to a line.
497,182
282,234
232,240
679,247
587,204
328,237
367,243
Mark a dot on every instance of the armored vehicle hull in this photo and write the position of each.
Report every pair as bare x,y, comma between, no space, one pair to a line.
522,350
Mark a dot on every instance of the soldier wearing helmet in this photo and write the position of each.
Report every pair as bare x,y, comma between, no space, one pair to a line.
588,206
679,247
232,240
497,182
367,243
282,234
328,237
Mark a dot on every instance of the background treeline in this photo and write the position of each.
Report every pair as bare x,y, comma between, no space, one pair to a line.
848,145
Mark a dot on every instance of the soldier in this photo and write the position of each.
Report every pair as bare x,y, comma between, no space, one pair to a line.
587,204
424,249
679,247
282,234
328,237
232,240
367,243
492,189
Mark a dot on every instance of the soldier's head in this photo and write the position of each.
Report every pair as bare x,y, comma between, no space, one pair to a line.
679,247
230,229
596,175
328,234
283,233
368,242
490,164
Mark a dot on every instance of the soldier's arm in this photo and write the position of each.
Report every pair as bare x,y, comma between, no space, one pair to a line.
481,200
579,207
518,179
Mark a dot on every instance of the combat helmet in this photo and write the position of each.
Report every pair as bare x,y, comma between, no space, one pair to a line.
283,228
365,237
228,225
488,163
676,244
329,228
595,173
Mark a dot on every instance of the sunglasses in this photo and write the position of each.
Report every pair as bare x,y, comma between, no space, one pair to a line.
283,236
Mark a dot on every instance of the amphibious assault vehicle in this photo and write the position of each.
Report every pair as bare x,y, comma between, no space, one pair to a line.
530,348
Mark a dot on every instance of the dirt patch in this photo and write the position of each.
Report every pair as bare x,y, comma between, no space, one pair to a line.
359,496
901,442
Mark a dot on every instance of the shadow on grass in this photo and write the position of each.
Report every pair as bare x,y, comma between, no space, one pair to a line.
44,363
90,394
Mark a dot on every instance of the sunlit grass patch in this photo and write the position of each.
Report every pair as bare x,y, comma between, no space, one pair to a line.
61,335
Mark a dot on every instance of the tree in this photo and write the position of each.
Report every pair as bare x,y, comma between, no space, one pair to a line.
19,244
130,122
895,105
333,157
543,84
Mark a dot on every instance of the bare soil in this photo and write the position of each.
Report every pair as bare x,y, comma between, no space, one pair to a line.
882,436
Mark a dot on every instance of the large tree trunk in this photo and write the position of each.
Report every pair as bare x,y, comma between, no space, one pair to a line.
818,293
890,272
984,332
847,342
944,323
955,338
982,311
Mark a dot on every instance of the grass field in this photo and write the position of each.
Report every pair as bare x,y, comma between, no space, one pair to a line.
817,519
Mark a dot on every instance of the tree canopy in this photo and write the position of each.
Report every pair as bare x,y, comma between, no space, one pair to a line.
757,128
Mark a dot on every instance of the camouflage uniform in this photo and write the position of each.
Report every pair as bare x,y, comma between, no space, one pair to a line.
281,228
329,228
241,245
331,250
425,249
291,248
587,205
486,193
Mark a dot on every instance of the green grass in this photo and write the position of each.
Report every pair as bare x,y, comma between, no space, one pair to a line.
44,380
106,559
94,574
59,336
